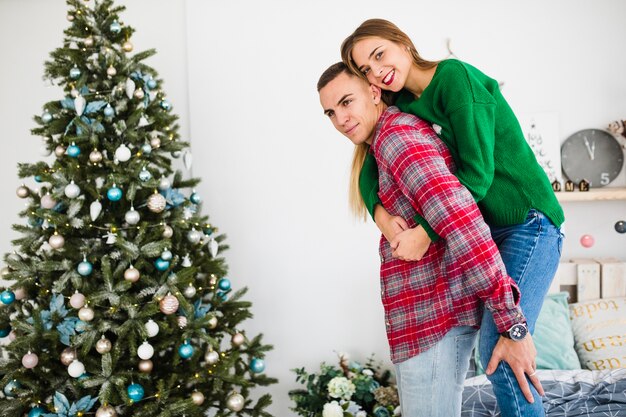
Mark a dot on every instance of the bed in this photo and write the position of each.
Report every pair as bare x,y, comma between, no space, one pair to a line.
581,346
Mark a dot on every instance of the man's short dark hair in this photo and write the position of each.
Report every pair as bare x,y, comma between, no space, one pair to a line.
331,73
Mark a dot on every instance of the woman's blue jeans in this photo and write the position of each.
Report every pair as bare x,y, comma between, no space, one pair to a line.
531,253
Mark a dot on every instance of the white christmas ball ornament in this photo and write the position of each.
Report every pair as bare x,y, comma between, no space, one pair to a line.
168,232
72,190
212,357
132,274
30,360
76,368
145,351
56,241
86,314
106,411
194,236
164,184
48,202
77,300
197,397
235,402
111,71
152,328
122,153
22,191
237,339
190,291
103,345
132,216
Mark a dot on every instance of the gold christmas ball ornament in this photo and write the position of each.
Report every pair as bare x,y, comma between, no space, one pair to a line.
106,411
138,93
127,46
213,322
235,402
89,41
95,156
59,151
238,339
211,357
145,366
132,274
156,203
111,71
168,304
22,191
86,314
68,355
103,345
197,397
168,232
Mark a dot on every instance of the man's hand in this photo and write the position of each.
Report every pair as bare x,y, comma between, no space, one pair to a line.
411,244
521,358
389,225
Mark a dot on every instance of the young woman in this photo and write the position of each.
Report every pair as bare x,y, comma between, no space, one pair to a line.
493,161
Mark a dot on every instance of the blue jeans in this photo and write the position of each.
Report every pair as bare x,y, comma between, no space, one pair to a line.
431,383
530,251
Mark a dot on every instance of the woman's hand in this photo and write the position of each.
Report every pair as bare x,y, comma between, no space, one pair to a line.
389,225
410,244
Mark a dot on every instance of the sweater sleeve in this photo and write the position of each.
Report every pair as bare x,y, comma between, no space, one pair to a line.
424,178
368,185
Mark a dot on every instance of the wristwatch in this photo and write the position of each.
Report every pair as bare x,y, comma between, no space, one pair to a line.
517,332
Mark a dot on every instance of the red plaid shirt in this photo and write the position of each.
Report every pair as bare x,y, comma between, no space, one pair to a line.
460,273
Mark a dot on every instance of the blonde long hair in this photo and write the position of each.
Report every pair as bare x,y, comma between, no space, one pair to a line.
382,29
357,205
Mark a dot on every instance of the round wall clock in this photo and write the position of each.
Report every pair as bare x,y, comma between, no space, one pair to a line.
593,155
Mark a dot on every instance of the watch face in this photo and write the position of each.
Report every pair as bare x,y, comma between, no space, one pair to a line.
518,331
593,155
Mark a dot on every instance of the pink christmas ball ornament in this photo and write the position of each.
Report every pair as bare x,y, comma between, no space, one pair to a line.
587,241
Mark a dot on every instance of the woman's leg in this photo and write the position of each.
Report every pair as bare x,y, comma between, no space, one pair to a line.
531,253
431,383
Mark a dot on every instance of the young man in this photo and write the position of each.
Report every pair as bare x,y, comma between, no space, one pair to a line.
432,307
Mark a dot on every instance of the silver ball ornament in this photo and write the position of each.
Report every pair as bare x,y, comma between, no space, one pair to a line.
169,304
197,397
194,236
95,156
103,345
164,184
168,232
59,151
132,217
30,360
190,291
145,366
56,241
72,190
212,357
155,143
106,411
22,191
68,356
86,314
156,203
132,274
152,328
235,402
77,300
48,202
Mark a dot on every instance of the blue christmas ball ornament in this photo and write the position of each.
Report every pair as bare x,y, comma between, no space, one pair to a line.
135,392
5,332
165,105
85,268
73,150
35,221
46,117
224,284
11,387
7,297
114,193
36,412
37,178
195,198
257,365
161,264
108,111
146,148
145,175
115,27
152,83
185,350
74,73
166,255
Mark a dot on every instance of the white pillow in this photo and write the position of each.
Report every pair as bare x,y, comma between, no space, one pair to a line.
599,328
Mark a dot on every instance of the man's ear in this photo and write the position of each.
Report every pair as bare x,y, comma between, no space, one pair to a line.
376,93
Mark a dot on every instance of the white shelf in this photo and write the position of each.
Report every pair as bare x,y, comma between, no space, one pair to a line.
594,194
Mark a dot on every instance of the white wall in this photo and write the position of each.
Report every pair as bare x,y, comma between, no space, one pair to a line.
275,172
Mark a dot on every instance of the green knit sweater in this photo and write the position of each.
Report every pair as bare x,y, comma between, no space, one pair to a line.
493,160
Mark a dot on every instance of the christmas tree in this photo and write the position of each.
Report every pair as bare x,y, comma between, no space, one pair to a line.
118,303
